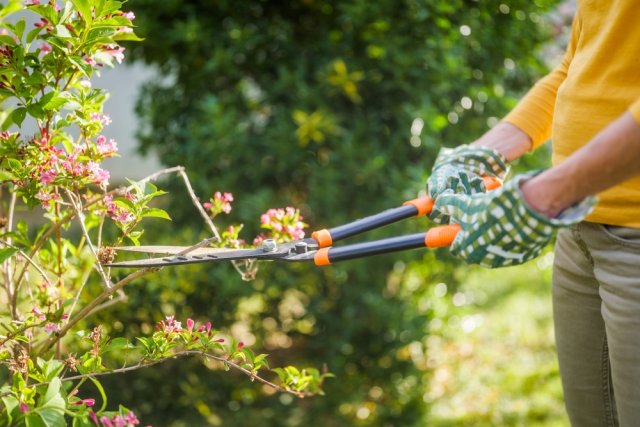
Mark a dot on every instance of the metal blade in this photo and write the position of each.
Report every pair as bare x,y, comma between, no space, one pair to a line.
172,250
227,255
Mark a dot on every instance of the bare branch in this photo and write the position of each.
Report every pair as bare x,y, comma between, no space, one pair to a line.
184,353
80,215
89,308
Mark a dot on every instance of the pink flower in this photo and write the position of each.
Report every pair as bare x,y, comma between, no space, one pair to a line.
46,198
129,15
93,417
259,239
51,328
117,52
24,408
206,205
97,174
171,325
85,402
37,312
240,345
85,83
118,421
106,421
32,2
125,30
109,149
123,217
90,61
190,324
45,48
47,176
131,418
104,119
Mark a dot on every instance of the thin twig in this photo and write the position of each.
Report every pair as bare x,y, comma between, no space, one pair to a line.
156,175
184,353
11,293
28,259
198,205
85,279
98,264
92,305
56,226
246,275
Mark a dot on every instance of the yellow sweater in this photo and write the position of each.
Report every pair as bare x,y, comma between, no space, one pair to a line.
597,81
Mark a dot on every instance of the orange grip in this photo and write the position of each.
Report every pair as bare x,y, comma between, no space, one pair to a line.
422,204
322,257
439,237
491,182
323,237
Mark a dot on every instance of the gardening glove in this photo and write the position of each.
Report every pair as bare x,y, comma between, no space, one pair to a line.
461,169
498,229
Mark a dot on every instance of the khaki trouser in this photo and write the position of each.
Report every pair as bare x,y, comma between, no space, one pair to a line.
596,306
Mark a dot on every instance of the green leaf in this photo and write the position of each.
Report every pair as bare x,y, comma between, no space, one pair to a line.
47,417
5,175
33,33
12,7
50,399
7,39
84,7
134,236
122,36
18,115
63,31
156,213
10,404
117,344
19,28
6,253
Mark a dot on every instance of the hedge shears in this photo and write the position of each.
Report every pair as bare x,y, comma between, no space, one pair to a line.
319,247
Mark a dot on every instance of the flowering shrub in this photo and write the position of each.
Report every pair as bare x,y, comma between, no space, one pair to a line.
45,82
283,225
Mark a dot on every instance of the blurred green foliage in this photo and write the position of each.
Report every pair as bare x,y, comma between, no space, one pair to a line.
337,108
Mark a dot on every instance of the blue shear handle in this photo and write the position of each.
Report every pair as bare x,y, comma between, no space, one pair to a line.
357,250
326,238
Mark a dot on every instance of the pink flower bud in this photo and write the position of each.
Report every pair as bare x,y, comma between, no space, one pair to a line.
190,324
24,408
240,345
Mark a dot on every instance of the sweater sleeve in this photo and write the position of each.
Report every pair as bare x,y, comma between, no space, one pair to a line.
534,113
635,110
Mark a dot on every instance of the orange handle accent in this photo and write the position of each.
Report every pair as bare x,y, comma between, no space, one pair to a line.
323,237
422,204
491,182
322,257
440,237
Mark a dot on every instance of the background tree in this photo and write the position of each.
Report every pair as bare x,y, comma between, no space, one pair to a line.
338,108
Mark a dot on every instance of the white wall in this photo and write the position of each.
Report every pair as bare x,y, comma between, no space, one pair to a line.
123,83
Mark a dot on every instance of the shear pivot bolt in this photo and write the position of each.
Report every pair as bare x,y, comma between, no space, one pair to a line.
301,247
269,245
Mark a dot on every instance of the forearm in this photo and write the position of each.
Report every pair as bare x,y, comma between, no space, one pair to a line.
609,158
507,139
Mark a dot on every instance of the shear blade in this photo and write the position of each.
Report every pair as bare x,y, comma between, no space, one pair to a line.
172,250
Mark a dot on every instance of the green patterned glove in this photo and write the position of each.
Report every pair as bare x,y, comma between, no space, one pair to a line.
461,169
499,229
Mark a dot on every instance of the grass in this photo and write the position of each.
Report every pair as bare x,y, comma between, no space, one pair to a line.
490,351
